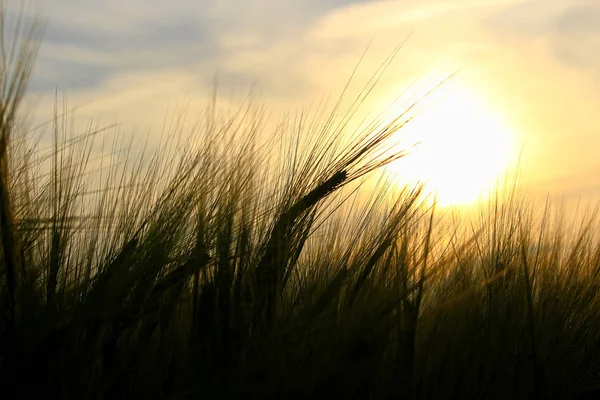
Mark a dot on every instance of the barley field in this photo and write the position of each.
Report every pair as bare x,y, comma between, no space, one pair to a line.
221,265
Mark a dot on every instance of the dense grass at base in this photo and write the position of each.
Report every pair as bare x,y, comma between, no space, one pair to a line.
215,274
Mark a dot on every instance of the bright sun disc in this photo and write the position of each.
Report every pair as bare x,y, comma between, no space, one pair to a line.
464,148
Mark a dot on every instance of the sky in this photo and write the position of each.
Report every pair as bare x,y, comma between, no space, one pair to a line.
529,70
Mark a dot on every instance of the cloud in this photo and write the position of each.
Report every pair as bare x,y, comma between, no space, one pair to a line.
569,28
87,41
576,37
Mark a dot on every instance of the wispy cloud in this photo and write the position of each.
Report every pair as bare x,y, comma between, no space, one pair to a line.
570,29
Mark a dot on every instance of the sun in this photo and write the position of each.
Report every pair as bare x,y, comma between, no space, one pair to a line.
464,146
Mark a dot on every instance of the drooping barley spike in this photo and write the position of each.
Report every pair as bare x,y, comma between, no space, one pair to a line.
271,267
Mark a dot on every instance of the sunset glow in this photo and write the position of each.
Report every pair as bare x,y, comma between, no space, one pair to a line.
463,147
529,74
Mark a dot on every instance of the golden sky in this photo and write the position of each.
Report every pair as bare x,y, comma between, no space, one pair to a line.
528,70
